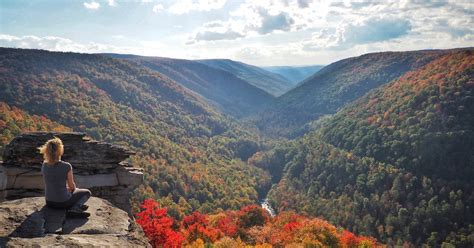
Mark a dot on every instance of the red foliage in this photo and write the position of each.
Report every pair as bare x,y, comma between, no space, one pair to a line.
227,226
252,215
291,226
349,240
285,228
158,226
196,226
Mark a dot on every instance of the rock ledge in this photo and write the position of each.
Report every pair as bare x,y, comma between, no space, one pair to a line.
97,166
28,222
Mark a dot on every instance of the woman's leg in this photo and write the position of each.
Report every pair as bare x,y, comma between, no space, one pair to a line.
78,198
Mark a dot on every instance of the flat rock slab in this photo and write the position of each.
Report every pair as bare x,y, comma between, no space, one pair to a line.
27,221
78,240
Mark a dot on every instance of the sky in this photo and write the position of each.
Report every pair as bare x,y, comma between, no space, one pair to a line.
258,32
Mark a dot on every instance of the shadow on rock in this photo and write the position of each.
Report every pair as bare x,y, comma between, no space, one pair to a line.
45,221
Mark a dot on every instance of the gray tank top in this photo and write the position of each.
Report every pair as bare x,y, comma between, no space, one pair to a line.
55,177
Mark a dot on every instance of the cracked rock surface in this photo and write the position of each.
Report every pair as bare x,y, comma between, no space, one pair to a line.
28,222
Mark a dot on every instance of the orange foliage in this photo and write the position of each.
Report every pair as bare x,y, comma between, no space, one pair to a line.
14,121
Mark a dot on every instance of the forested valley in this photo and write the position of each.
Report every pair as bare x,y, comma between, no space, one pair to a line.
371,150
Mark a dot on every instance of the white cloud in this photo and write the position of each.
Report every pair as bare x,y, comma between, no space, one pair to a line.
158,8
350,33
52,43
279,32
247,20
186,6
304,3
253,18
216,30
269,23
112,3
276,31
215,35
92,5
324,32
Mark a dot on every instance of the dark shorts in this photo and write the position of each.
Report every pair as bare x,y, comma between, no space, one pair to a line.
75,197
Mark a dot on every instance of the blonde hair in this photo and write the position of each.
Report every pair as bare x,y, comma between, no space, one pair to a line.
52,150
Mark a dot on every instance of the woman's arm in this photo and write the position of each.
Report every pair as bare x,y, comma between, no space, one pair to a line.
70,181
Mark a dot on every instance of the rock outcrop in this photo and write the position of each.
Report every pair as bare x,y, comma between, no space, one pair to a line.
28,223
97,166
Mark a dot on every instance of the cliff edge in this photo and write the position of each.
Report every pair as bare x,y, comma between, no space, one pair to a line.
28,222
98,166
25,221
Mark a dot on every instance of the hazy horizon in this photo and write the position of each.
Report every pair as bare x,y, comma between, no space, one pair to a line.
267,33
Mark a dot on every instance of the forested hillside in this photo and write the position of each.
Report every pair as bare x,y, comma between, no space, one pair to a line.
335,86
395,165
295,74
220,88
272,83
423,122
14,121
392,159
191,153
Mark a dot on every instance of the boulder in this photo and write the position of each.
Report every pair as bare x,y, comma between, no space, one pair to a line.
28,222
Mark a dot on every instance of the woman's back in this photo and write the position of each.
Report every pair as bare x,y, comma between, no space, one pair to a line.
55,177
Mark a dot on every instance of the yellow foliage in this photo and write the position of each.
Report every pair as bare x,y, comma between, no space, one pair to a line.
227,242
198,243
265,245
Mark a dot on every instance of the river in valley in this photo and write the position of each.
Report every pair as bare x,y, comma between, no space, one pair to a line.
266,205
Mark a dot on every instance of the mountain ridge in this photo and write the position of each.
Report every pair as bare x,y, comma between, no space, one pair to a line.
336,85
273,83
229,93
295,74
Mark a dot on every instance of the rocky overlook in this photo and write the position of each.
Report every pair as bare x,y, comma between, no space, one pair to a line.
97,166
28,223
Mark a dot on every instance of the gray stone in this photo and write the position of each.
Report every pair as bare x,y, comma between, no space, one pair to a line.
27,222
81,151
29,179
97,180
129,176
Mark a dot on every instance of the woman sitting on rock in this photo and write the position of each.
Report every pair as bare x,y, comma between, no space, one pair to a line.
60,188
